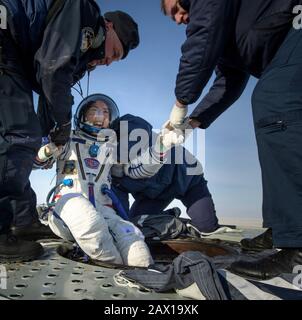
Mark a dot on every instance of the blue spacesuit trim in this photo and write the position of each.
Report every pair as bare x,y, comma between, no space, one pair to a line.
78,140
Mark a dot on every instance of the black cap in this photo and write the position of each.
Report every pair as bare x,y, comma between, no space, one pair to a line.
126,29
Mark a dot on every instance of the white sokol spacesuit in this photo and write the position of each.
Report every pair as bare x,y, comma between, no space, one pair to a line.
83,213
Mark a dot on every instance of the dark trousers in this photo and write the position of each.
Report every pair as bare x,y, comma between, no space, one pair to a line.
25,208
197,200
277,112
20,136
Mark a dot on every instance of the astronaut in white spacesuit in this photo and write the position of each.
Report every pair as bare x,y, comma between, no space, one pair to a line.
83,212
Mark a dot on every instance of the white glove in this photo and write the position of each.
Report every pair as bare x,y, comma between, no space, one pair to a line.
185,125
49,151
177,115
167,139
172,138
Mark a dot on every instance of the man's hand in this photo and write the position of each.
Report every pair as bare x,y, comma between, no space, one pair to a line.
60,134
178,115
194,123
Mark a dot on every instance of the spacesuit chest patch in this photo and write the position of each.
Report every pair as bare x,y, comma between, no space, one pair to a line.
92,163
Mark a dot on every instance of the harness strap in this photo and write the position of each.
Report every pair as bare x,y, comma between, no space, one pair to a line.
80,161
55,7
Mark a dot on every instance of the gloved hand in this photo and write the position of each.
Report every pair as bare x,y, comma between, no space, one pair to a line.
177,115
60,134
48,151
186,125
168,138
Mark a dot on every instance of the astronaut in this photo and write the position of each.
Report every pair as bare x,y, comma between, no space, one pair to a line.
83,203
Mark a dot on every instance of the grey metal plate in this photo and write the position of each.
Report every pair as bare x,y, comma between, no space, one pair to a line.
55,277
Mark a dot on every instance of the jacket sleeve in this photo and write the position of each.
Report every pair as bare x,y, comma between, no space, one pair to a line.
228,86
207,33
59,54
146,165
45,116
142,160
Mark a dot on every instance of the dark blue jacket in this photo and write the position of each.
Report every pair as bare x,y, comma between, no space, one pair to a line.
50,54
172,180
236,38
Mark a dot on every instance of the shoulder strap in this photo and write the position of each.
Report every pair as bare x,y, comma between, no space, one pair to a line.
54,9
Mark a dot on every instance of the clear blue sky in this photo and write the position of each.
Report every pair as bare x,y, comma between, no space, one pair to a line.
143,84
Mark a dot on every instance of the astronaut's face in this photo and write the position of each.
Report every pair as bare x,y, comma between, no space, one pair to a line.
98,115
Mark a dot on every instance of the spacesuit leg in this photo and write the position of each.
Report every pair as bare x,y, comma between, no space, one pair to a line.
128,239
86,226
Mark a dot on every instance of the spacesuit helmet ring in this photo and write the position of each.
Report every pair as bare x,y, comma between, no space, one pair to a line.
95,113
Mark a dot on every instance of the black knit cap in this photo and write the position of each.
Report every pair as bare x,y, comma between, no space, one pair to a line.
125,28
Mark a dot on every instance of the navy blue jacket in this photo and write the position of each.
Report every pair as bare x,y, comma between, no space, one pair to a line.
236,38
50,54
172,180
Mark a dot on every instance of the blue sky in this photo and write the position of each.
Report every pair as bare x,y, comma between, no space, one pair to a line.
143,84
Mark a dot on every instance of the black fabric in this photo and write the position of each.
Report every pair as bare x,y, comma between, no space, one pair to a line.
24,208
20,138
15,168
187,268
51,54
45,117
277,117
239,37
160,226
60,135
53,10
126,29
